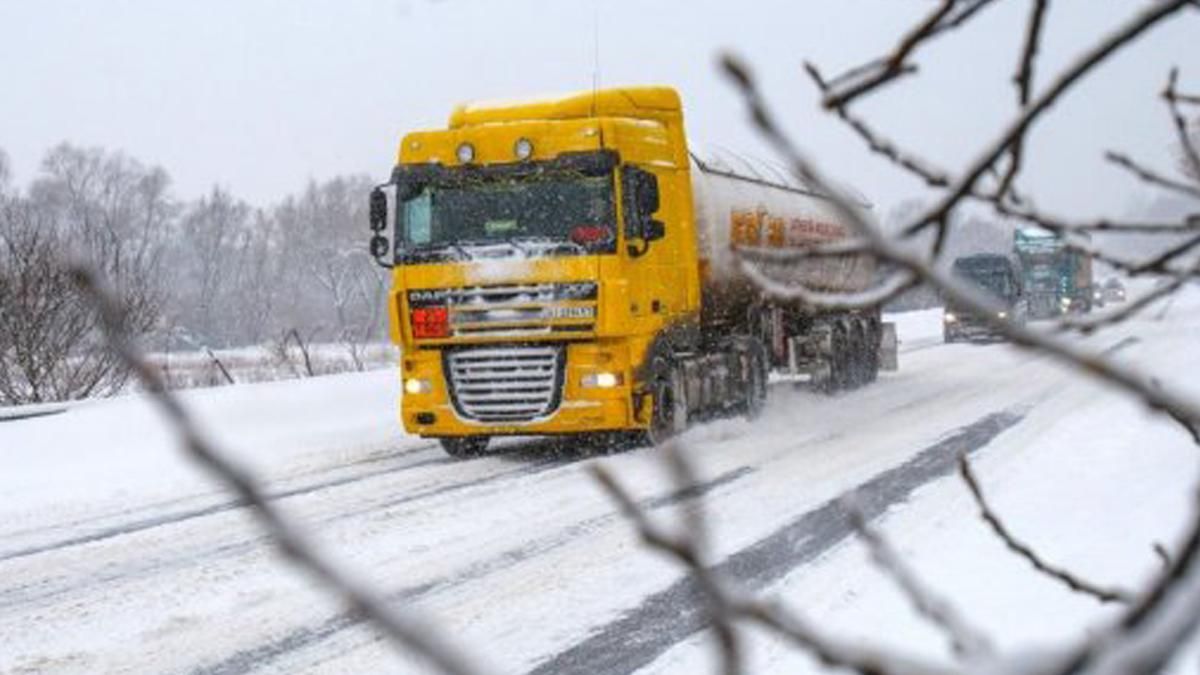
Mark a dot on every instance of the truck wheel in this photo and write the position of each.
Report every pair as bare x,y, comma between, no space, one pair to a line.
756,384
464,447
843,350
669,415
859,367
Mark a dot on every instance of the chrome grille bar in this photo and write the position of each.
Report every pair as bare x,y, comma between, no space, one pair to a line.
508,384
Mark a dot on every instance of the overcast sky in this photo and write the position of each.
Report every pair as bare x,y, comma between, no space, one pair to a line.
259,96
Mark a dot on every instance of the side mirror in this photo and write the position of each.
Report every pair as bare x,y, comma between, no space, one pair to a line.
653,230
647,193
378,211
641,202
379,246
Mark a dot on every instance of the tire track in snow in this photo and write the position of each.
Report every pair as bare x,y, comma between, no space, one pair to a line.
24,595
668,617
151,522
248,660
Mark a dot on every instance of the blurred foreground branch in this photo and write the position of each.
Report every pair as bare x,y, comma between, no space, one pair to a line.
402,631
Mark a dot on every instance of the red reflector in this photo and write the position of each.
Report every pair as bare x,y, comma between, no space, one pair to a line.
431,322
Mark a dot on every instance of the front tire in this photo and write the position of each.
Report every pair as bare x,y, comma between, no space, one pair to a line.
669,415
464,447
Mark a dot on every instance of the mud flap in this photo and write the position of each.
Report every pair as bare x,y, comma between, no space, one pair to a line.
889,359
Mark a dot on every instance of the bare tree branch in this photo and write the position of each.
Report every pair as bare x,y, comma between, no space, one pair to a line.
402,631
1150,176
1072,581
687,548
1186,143
1100,52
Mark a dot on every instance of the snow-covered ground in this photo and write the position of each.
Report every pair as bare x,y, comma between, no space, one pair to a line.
118,555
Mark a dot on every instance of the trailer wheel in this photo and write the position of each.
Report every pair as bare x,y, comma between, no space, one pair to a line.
463,447
756,383
874,337
860,368
839,361
669,415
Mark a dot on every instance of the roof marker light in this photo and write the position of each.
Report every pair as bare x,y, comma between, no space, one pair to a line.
466,153
523,148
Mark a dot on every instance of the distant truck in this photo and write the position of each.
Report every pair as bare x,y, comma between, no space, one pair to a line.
998,277
1057,280
572,266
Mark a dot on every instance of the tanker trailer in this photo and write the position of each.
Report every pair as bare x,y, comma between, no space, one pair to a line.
568,266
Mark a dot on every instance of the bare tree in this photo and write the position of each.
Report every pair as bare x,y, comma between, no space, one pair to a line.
205,267
50,348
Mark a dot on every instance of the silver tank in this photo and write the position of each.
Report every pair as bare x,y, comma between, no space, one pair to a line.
744,204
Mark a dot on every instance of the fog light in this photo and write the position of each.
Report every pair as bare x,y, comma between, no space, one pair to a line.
1001,315
466,153
601,380
417,385
949,318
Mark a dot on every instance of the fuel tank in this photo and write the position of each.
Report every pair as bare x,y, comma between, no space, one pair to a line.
744,206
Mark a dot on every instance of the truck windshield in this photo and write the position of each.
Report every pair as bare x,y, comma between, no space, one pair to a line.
560,214
994,279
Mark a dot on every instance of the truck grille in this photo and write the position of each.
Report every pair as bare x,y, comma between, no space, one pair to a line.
508,384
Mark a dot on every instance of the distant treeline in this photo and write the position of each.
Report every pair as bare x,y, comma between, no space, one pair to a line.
205,273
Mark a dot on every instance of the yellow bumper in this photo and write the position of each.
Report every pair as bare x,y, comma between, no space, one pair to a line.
430,412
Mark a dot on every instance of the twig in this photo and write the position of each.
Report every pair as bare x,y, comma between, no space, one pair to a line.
1150,176
686,549
404,632
1024,76
860,659
1172,97
1072,581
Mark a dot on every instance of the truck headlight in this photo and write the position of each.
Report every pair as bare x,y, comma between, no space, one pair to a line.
417,385
601,380
949,318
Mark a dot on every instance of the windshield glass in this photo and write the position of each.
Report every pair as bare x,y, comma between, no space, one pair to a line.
997,281
566,214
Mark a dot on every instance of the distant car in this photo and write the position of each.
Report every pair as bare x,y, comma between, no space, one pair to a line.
1113,290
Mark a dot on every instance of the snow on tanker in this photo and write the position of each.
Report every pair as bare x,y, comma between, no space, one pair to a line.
570,266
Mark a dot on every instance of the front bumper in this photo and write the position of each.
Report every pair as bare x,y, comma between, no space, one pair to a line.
579,409
970,330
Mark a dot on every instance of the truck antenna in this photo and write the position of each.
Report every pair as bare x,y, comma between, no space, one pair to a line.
595,53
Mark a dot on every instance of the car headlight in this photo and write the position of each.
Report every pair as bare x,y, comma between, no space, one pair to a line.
601,380
1001,315
417,385
949,318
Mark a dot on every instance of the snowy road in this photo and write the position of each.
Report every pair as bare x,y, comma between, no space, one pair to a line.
117,556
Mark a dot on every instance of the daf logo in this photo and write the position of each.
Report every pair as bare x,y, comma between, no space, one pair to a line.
570,312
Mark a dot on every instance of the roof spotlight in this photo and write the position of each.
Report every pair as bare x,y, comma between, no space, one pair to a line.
523,148
466,153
